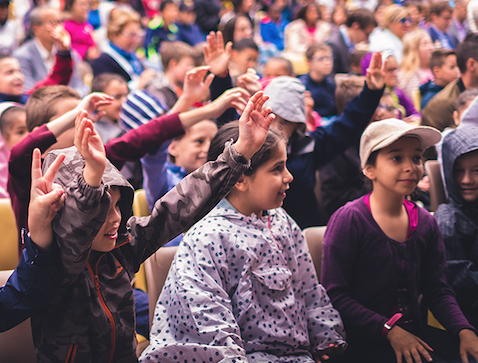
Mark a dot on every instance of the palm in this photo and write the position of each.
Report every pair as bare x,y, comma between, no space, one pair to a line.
195,85
215,55
375,73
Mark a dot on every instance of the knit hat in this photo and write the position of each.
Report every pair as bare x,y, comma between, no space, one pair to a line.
287,98
380,134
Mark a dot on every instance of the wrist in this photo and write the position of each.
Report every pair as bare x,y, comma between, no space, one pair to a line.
243,149
389,324
91,176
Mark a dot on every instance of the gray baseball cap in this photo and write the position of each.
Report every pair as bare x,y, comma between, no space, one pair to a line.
287,98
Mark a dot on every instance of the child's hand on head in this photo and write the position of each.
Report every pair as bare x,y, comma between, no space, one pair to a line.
249,81
46,199
90,146
92,102
216,56
195,85
376,72
61,36
254,125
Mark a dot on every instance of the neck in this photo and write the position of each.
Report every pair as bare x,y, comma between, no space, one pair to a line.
350,34
384,203
316,77
47,45
440,82
469,80
241,204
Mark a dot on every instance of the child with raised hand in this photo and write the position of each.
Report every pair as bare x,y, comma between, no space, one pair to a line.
36,278
242,286
91,318
384,259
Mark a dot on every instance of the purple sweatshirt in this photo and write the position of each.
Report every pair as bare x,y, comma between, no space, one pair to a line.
361,267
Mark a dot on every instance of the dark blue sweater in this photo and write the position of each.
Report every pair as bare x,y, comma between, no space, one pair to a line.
323,94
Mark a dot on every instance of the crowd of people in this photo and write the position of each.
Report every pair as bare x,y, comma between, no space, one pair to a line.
245,122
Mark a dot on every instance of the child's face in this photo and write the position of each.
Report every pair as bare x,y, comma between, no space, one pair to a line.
242,29
16,132
177,70
398,167
170,13
266,188
187,17
275,68
190,152
391,72
465,172
386,109
322,63
11,76
425,50
119,91
449,71
246,58
105,240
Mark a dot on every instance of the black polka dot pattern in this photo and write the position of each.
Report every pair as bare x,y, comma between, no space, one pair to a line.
238,287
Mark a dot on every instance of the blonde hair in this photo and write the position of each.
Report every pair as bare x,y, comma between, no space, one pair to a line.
119,19
393,13
411,55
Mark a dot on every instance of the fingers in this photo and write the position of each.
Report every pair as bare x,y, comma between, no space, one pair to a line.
55,198
220,39
36,165
424,344
54,167
208,80
228,49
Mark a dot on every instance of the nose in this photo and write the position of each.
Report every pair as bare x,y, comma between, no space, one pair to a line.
114,215
287,177
466,178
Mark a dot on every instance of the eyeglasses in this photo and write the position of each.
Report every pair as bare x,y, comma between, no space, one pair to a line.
391,70
119,96
53,22
138,34
388,108
405,20
324,58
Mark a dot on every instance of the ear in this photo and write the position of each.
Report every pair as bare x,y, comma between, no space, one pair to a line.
242,184
436,71
369,171
470,64
355,26
172,63
456,118
173,148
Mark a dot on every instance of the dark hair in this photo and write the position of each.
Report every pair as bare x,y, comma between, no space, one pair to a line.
230,131
372,159
465,97
8,118
102,81
356,57
68,5
285,62
165,3
438,57
363,17
467,49
303,10
439,7
230,26
41,106
245,43
346,90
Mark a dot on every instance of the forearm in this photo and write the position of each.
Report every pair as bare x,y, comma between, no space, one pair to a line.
189,118
62,123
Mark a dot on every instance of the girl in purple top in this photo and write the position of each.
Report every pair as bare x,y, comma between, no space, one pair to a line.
384,260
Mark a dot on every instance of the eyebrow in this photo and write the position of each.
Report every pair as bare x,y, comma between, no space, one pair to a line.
398,150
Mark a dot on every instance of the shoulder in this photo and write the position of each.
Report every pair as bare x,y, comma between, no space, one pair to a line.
350,212
24,50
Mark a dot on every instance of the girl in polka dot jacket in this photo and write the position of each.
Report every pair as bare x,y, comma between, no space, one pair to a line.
242,287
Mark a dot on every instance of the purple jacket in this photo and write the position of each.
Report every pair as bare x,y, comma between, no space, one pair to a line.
361,268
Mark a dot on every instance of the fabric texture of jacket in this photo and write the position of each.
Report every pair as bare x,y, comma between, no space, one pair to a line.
91,318
427,92
458,222
242,285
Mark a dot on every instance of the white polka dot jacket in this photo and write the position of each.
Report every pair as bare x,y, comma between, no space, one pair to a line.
238,285
91,317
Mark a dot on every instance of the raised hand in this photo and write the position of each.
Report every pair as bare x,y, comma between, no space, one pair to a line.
254,125
216,55
195,85
91,148
408,346
46,199
249,81
234,97
375,72
61,36
91,103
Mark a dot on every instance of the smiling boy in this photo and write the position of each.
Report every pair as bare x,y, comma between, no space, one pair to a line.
458,219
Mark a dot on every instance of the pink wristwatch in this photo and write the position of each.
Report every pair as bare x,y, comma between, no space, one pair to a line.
390,323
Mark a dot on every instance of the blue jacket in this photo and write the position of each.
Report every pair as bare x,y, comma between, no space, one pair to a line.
307,153
190,34
272,32
31,286
323,94
428,91
435,36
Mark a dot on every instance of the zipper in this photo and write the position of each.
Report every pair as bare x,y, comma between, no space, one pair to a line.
70,358
105,308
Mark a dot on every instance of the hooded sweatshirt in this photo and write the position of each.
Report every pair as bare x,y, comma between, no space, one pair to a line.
91,318
458,222
241,285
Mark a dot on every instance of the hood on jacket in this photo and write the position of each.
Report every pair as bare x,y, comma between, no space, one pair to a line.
459,142
72,167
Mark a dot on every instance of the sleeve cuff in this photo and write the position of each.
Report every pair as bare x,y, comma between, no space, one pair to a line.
33,256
